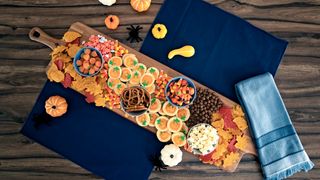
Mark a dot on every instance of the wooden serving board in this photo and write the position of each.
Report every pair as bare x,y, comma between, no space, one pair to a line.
38,35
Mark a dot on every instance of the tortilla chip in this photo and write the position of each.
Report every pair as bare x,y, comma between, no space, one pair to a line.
78,85
70,36
237,111
226,136
220,151
100,101
54,74
231,159
72,50
242,142
58,50
70,69
218,124
216,116
241,123
94,89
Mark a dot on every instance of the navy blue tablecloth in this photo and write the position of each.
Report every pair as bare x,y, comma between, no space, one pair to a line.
228,49
95,138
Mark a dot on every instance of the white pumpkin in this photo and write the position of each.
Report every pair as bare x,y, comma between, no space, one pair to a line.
108,2
171,155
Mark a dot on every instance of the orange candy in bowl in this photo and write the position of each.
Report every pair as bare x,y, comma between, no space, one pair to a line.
88,61
180,91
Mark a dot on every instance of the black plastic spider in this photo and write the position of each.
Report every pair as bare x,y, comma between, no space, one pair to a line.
156,161
134,33
42,118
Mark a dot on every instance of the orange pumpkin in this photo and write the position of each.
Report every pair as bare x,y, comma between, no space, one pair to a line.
140,5
56,106
112,22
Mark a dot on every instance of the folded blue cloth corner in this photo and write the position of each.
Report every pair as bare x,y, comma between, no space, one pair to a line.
280,151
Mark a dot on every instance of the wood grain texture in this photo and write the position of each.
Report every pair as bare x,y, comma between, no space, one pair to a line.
23,65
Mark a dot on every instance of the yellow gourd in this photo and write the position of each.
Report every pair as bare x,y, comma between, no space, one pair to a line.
159,31
185,51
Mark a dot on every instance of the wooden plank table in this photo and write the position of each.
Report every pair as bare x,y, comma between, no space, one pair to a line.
23,65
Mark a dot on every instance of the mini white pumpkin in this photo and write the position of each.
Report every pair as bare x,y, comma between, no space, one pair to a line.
171,155
108,2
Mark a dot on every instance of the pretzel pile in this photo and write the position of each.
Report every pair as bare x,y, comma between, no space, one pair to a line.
135,99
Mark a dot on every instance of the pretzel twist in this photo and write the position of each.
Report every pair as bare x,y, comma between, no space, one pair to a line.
135,99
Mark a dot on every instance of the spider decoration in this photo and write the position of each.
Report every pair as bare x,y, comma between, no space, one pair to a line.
42,118
159,166
134,33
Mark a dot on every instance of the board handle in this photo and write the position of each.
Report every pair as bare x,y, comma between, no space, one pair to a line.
38,35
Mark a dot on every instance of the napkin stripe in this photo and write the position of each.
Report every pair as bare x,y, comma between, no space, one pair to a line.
290,144
275,135
290,154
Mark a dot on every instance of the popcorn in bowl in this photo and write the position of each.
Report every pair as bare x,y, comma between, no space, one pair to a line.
202,139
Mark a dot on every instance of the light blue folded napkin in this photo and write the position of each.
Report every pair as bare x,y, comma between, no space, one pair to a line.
280,151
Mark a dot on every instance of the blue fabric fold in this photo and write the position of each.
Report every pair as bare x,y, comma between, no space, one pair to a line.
228,48
280,151
95,138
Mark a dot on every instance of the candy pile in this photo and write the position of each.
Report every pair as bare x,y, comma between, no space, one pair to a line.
161,83
112,99
89,62
180,92
108,48
202,138
205,104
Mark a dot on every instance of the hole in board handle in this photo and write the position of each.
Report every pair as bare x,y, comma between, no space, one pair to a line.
36,34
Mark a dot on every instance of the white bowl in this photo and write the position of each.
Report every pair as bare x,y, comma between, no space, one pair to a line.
211,146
